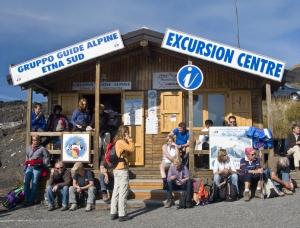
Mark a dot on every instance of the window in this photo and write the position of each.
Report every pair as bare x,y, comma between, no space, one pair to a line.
216,108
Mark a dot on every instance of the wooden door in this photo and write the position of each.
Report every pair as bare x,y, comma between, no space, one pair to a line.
68,102
170,110
241,107
136,126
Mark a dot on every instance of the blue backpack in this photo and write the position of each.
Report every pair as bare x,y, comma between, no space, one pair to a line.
260,137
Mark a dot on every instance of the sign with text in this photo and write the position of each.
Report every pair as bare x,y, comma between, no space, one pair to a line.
226,55
165,80
66,57
103,85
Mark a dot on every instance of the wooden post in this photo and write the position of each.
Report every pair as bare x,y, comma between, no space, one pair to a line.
97,117
269,111
28,116
191,139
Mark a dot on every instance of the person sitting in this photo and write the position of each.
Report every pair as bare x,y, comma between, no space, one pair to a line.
293,145
178,177
170,153
106,179
280,173
204,138
57,121
251,173
58,185
37,159
182,141
231,121
83,182
224,168
38,121
208,124
81,117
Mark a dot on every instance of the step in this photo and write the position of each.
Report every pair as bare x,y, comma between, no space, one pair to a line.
155,194
133,203
145,184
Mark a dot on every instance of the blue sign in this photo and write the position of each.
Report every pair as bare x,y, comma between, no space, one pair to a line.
189,77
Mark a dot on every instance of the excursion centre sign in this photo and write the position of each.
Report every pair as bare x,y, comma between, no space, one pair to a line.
66,57
226,55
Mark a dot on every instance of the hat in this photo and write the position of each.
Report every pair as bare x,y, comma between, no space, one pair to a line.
77,166
248,150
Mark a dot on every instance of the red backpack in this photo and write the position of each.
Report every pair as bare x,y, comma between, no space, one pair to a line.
111,157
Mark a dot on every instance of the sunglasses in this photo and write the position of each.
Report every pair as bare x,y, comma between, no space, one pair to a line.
57,168
233,122
252,154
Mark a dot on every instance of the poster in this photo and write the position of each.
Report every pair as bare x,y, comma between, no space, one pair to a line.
152,103
151,125
76,147
232,139
133,112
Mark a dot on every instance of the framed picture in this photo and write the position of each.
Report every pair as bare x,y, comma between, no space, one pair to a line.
233,139
76,147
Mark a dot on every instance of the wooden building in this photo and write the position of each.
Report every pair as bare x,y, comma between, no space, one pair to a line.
143,65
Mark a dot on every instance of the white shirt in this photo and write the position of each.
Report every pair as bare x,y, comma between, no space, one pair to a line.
171,150
224,165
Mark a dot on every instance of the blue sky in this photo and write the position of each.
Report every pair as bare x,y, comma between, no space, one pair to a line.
30,28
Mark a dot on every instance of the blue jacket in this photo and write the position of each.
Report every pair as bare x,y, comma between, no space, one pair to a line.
81,118
39,123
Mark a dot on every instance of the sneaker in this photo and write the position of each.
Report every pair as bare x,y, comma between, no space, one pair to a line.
287,192
114,216
169,203
247,195
124,218
88,207
51,208
64,208
258,193
73,207
105,197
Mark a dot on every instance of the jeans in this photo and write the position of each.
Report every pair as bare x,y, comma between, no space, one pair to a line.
120,192
64,192
31,175
284,176
187,186
233,177
106,186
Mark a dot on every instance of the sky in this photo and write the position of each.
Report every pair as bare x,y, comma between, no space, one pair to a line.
31,28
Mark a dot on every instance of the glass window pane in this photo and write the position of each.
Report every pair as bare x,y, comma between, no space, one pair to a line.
216,108
197,109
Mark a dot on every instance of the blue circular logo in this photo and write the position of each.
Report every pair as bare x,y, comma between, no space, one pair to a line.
189,77
76,147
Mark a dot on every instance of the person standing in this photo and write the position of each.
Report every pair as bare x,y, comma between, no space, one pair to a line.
123,146
81,116
293,145
58,184
37,158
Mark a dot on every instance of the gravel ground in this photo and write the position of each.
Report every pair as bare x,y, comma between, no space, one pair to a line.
278,212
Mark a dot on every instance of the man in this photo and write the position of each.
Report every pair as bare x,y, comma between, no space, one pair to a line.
58,184
37,159
38,121
178,177
280,173
251,173
293,145
182,141
81,117
83,182
232,121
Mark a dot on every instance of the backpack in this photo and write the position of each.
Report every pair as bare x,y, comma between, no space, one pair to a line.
111,157
14,197
185,200
228,191
203,193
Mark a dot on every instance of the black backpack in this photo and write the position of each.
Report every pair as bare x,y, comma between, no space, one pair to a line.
228,191
185,200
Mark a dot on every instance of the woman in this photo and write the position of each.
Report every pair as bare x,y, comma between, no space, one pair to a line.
224,168
170,153
123,145
57,121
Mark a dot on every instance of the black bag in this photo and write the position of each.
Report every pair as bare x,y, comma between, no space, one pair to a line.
185,200
213,193
228,191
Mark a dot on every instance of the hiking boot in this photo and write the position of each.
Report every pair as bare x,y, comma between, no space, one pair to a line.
258,194
114,216
51,208
247,195
287,191
169,203
64,208
105,197
73,207
124,218
88,207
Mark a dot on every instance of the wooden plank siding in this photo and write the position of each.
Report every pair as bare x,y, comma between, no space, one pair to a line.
138,67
